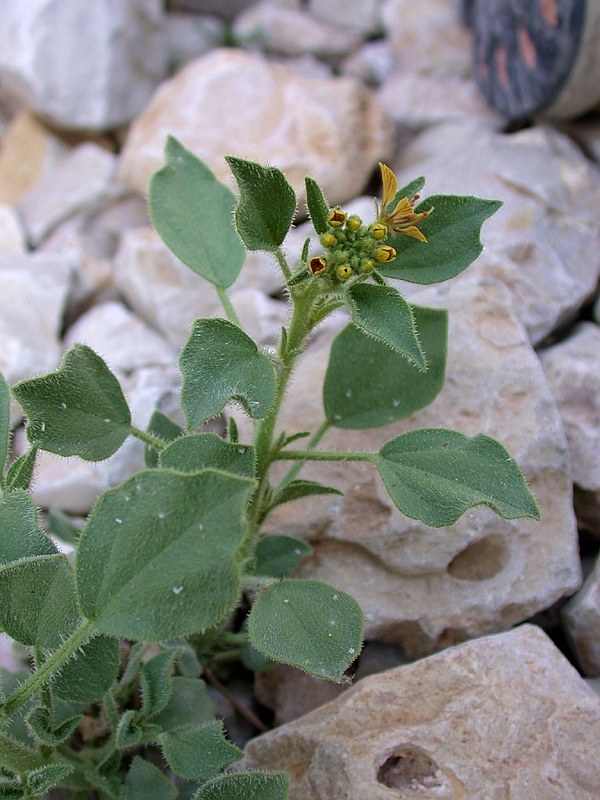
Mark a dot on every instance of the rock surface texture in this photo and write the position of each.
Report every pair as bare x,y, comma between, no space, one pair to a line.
581,616
504,716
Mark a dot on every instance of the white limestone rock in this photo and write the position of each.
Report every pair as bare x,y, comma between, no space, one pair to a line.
572,370
231,101
83,180
581,622
544,243
99,75
423,587
190,36
503,716
362,16
12,236
372,64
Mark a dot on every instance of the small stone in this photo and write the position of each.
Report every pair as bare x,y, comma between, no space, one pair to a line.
505,715
81,181
581,621
372,64
361,16
290,693
226,9
573,372
190,36
12,238
99,77
261,317
231,101
8,658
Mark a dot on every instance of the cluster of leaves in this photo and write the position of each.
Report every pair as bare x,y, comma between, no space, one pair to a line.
119,634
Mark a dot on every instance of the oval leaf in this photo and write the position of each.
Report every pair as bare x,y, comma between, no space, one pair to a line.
156,681
368,385
296,490
157,557
435,475
20,472
382,312
79,410
266,207
309,625
20,536
318,207
44,778
199,751
191,212
144,781
204,450
277,556
189,703
90,673
220,363
453,240
246,786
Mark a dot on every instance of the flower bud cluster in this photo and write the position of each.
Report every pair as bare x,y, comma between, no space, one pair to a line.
351,247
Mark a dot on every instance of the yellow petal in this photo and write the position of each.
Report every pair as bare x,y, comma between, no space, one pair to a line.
403,208
390,185
414,232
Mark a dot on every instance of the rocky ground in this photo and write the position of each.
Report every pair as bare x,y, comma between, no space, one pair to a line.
329,89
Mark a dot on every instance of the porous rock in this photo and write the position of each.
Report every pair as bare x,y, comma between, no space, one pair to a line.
581,621
573,373
231,101
503,716
98,77
544,243
426,587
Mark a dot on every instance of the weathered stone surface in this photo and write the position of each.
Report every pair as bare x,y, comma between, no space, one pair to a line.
427,36
227,9
99,77
362,16
82,180
425,587
581,621
504,716
373,63
544,243
189,36
292,32
12,238
27,152
573,373
124,341
230,101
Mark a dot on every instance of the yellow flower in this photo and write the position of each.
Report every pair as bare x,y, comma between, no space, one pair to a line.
336,217
384,254
343,271
317,265
403,218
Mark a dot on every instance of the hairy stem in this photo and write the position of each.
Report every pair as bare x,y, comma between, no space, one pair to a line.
322,455
310,445
147,438
229,309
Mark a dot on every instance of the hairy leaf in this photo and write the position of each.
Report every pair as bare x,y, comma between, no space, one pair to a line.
41,725
44,778
204,450
156,681
199,751
318,207
435,475
20,472
20,536
309,625
191,211
157,557
295,490
79,410
368,385
144,781
246,786
62,526
90,673
165,429
17,757
220,363
266,207
4,421
188,703
277,556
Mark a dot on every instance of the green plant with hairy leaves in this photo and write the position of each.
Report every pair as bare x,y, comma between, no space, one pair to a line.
112,702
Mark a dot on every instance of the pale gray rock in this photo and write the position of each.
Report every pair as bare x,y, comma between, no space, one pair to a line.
8,657
423,587
12,236
427,36
120,338
544,242
292,32
231,101
503,716
372,63
594,683
573,373
259,315
83,180
99,75
227,9
581,621
190,35
33,294
362,16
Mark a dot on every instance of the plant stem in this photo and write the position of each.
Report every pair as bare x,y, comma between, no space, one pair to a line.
322,455
310,445
282,261
45,696
229,309
147,438
47,669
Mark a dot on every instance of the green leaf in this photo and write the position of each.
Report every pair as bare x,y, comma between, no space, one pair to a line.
266,207
20,536
277,556
452,231
318,207
299,489
156,681
157,557
16,756
38,607
4,421
129,731
40,723
219,363
205,450
188,703
382,312
309,625
368,385
90,673
11,791
435,475
79,410
20,472
199,751
246,786
144,781
109,786
408,191
44,778
61,526
192,213
165,429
